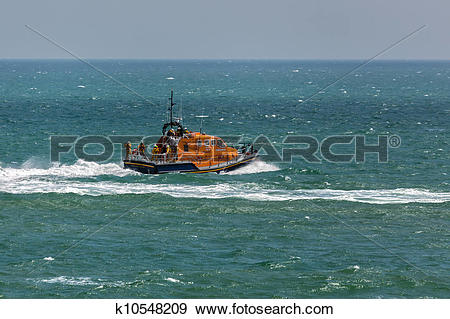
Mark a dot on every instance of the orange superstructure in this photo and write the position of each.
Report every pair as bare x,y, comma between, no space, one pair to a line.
204,150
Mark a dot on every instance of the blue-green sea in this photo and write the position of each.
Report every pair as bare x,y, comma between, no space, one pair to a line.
79,229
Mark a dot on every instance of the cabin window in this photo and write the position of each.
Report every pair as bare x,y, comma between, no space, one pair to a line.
186,147
213,142
199,142
206,142
220,143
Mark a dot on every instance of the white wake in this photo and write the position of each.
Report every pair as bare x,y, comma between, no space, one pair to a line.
249,191
254,167
59,179
79,169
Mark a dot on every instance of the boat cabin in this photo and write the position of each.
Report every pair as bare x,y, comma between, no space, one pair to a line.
196,147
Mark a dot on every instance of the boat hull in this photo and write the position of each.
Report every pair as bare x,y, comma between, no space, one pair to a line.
158,168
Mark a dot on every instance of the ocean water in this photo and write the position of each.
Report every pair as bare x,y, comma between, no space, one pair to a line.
79,229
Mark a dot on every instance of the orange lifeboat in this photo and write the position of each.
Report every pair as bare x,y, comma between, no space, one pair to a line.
179,150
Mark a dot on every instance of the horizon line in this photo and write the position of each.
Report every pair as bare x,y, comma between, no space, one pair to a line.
229,59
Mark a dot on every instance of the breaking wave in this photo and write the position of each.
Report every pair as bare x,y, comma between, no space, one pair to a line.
81,281
71,281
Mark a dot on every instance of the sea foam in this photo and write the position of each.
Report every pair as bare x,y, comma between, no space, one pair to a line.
249,191
61,179
79,169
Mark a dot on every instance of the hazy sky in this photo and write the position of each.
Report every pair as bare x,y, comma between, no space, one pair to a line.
226,29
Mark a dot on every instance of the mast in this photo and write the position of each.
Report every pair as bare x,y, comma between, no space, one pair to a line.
171,122
171,108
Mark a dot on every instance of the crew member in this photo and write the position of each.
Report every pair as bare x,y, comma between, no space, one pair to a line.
169,150
155,152
141,148
180,132
128,150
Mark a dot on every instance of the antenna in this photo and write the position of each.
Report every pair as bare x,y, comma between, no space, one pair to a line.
201,122
181,110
